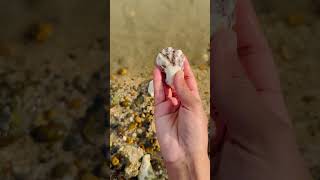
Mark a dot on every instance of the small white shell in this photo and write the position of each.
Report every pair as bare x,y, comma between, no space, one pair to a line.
170,61
146,171
150,89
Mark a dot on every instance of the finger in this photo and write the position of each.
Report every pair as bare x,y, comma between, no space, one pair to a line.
189,76
167,91
165,108
174,101
253,49
226,66
256,58
159,94
230,80
236,97
184,94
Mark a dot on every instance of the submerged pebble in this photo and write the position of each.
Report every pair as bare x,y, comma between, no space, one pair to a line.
88,176
49,133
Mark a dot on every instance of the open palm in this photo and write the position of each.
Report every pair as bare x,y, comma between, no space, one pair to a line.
181,124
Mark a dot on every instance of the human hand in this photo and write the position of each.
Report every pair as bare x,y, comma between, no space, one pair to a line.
181,126
254,138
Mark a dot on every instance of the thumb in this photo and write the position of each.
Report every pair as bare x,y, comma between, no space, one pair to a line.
182,90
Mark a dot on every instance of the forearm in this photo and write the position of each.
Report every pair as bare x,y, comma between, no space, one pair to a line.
196,168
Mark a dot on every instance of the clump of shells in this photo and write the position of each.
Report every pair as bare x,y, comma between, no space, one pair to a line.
170,62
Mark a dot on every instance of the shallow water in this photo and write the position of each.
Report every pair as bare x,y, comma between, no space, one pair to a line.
141,28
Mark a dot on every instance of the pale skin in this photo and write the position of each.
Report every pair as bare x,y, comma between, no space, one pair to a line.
181,126
254,137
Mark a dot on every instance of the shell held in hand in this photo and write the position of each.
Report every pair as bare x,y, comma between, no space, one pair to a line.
170,61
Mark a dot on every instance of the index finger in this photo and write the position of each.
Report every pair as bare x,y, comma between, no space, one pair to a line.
189,76
159,93
253,49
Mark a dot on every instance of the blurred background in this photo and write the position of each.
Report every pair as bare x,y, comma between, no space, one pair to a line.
52,82
293,30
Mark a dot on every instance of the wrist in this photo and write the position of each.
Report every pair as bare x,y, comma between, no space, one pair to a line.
191,167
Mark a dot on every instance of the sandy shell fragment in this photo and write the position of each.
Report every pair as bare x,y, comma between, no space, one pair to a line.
146,172
150,89
133,154
170,61
222,15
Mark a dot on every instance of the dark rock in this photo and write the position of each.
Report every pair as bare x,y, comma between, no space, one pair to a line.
49,133
72,142
60,170
4,120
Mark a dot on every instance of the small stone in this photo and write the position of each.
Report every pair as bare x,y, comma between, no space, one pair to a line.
130,140
123,71
134,135
139,100
124,138
150,88
75,103
139,131
115,99
205,57
112,77
138,119
49,133
149,150
133,155
142,147
203,67
89,176
156,146
43,32
125,103
115,161
146,171
132,126
296,19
